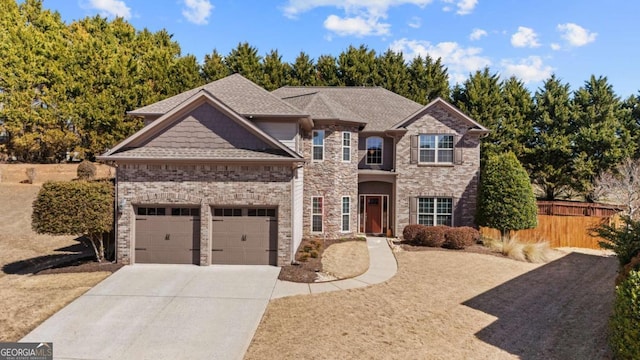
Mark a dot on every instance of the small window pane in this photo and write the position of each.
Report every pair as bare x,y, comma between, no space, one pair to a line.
374,150
237,212
346,154
160,211
317,153
252,212
427,142
444,220
218,212
445,156
142,211
317,223
271,212
195,212
151,211
345,222
425,205
175,211
345,205
427,155
185,211
318,138
445,142
425,220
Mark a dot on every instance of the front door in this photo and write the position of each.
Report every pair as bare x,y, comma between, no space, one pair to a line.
373,214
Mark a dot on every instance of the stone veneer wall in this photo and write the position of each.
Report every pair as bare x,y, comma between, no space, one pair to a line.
206,186
331,179
457,181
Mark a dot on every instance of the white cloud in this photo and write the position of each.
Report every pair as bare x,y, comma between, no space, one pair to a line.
197,11
555,46
465,7
111,8
530,69
415,22
576,35
375,8
356,26
525,37
459,61
477,34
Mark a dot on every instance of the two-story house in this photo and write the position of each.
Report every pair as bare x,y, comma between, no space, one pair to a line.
229,173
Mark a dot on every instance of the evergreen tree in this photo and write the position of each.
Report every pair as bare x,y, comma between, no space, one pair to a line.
550,160
357,67
481,99
244,60
428,80
631,120
515,127
327,70
505,200
214,67
276,72
392,72
303,71
602,141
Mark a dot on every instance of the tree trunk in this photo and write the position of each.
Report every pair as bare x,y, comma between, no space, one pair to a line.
98,247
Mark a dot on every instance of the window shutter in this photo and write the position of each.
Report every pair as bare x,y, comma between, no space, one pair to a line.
414,149
413,210
457,151
454,204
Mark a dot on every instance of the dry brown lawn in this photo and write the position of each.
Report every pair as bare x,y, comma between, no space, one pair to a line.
27,300
346,260
451,305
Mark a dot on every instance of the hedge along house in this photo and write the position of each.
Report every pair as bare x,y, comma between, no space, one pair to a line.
229,173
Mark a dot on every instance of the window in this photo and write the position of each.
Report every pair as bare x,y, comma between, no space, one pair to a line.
346,146
316,214
374,150
436,149
346,210
151,211
318,145
185,212
435,211
261,212
227,212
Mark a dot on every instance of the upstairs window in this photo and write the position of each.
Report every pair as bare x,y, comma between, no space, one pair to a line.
374,150
436,149
346,146
318,145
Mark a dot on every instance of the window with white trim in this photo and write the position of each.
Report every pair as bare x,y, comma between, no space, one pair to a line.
435,211
346,212
435,149
316,214
346,146
374,150
318,145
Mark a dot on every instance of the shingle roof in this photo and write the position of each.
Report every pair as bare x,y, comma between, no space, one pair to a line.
379,108
158,153
241,95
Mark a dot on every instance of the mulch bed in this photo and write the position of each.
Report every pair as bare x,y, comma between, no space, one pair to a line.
82,265
305,271
475,248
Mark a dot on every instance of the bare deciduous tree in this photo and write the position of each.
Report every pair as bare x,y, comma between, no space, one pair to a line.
621,186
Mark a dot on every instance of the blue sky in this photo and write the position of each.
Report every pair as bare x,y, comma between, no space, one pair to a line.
527,38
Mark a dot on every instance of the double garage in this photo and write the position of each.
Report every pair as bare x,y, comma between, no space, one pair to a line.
239,235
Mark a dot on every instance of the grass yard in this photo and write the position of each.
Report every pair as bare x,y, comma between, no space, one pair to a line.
452,305
26,299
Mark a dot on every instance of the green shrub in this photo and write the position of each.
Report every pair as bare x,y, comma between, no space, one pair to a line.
623,240
410,232
633,265
624,325
432,236
75,208
86,170
458,238
505,197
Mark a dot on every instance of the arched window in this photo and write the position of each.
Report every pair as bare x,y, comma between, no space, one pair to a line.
374,150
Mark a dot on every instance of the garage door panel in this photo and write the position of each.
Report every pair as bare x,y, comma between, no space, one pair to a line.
250,240
165,239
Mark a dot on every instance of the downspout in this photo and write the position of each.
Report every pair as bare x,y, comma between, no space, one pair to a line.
116,211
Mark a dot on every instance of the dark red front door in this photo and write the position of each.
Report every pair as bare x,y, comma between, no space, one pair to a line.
374,214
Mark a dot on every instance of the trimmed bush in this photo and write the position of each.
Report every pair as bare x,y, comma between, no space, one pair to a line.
458,238
624,337
86,170
623,240
410,232
432,236
75,208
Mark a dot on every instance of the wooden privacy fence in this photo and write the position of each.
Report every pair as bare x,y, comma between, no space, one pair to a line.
565,224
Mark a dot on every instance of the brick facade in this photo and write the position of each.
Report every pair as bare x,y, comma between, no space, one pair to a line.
332,179
459,181
204,186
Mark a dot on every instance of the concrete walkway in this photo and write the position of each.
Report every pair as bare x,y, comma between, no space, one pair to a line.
382,267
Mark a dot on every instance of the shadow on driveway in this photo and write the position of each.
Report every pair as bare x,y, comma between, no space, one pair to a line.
557,311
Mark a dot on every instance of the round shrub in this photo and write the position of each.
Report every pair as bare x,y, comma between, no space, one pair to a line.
458,238
432,236
624,337
410,232
86,170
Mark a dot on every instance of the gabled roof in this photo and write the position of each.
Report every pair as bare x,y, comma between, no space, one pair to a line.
475,126
379,108
133,147
323,107
237,92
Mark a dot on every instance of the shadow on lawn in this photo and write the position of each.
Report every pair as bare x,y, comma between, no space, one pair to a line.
557,311
79,252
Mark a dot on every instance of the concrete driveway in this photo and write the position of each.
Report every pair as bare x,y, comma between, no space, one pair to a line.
163,312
